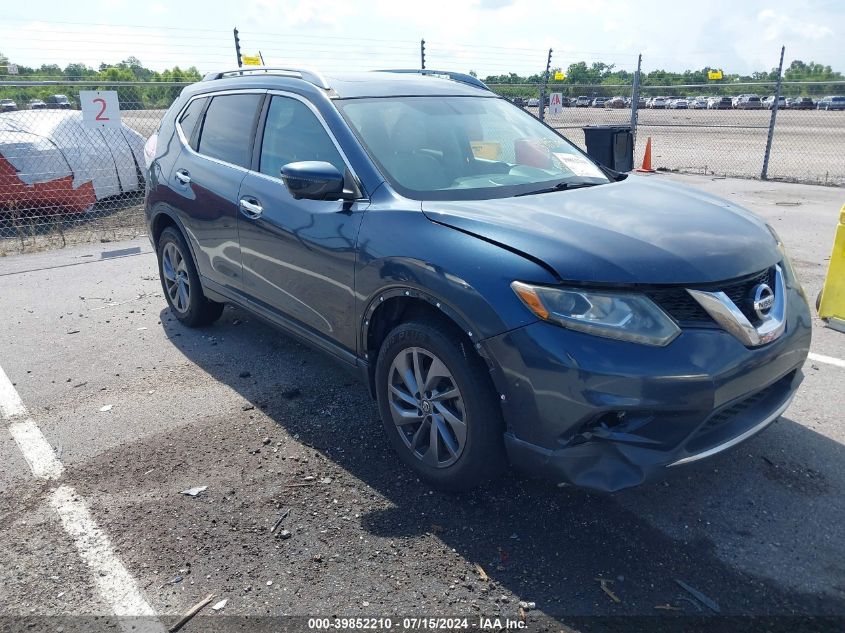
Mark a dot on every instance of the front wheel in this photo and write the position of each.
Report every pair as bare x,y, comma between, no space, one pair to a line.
438,406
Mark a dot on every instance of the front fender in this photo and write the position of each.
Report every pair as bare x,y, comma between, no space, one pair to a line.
404,251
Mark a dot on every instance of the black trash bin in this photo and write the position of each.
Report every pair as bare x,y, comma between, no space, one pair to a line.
611,145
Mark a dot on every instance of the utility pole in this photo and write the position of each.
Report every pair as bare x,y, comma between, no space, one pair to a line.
765,173
635,98
544,86
422,54
238,48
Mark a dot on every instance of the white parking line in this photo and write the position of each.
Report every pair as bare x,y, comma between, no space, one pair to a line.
829,360
36,450
116,585
10,402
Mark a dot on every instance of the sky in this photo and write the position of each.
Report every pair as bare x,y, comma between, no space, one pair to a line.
487,36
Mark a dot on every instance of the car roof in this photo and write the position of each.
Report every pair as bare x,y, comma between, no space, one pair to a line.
352,85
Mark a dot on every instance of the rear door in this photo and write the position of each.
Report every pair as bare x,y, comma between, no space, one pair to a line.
217,150
299,255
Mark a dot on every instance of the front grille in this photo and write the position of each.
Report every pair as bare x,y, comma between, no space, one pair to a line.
678,303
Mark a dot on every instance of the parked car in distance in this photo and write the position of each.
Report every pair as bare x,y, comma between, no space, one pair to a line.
58,102
719,103
8,105
582,102
504,297
615,102
533,103
678,104
36,104
599,102
518,101
768,102
831,103
749,102
657,103
801,103
699,103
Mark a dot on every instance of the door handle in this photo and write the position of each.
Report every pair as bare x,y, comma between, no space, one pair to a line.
183,176
251,208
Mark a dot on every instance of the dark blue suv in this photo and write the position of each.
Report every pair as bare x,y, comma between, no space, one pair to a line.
506,298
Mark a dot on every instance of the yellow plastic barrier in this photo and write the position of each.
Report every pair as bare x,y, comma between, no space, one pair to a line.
832,299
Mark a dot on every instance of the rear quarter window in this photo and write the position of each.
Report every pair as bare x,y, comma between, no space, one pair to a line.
228,127
189,119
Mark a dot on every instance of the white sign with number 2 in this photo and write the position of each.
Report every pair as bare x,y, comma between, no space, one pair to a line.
100,108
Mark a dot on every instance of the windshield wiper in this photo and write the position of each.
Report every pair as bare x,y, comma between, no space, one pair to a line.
561,186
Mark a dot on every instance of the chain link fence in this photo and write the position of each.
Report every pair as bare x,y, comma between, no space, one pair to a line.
62,182
65,182
716,129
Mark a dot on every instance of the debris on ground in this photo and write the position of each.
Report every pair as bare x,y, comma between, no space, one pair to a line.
605,586
326,480
281,518
527,605
703,599
193,492
174,580
481,573
106,408
247,407
667,607
219,605
521,613
284,534
190,613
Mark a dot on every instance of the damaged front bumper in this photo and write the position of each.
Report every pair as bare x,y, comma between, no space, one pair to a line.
607,415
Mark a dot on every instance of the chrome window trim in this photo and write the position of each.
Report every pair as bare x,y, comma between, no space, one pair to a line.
281,93
725,312
181,134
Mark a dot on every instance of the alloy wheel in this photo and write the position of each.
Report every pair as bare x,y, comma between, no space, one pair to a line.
177,282
427,407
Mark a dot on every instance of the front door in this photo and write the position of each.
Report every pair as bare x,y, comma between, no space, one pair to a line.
299,255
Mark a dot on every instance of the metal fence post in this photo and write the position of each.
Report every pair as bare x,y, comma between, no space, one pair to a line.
765,173
238,47
635,99
544,86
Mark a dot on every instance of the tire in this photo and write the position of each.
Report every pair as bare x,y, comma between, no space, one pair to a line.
452,465
185,297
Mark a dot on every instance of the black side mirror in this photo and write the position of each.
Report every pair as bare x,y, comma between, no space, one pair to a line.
313,180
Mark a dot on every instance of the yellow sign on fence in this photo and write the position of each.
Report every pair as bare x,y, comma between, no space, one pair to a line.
249,60
714,74
559,76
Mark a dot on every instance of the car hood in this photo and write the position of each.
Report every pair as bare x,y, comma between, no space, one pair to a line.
638,230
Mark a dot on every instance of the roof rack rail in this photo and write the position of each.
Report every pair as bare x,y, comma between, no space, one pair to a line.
448,74
311,76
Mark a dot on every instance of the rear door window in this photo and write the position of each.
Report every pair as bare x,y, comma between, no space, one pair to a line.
227,130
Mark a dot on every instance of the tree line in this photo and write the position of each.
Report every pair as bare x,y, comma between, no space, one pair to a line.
597,75
129,70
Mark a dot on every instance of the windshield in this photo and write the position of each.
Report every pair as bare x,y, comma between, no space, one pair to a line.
464,148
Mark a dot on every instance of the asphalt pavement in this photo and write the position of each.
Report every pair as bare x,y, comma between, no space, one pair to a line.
132,408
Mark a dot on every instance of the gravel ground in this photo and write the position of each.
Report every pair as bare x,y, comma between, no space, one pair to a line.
275,429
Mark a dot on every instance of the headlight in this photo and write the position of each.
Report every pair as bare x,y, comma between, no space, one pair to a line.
620,315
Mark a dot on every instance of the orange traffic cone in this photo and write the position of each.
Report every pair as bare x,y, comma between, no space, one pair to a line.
647,158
